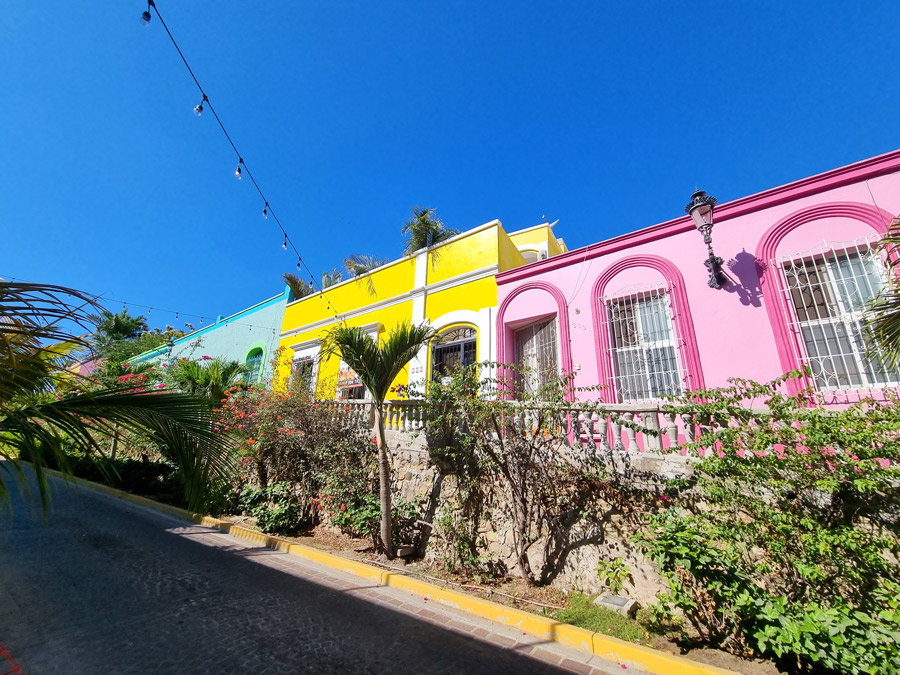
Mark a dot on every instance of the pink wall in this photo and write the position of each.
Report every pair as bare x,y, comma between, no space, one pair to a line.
738,330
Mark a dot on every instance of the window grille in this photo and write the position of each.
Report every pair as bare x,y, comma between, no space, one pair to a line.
455,348
304,373
644,347
349,386
825,293
254,366
536,356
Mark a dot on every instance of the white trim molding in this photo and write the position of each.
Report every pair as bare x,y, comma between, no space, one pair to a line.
474,275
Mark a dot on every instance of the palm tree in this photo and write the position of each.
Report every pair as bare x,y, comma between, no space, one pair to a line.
298,287
424,230
358,264
208,378
884,320
332,278
115,327
40,419
377,366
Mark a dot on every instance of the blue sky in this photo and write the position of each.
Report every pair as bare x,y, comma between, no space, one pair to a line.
604,115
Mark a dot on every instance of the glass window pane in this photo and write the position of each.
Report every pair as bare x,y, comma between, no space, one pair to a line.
829,294
644,348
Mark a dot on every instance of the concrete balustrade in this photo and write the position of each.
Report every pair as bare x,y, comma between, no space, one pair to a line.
617,427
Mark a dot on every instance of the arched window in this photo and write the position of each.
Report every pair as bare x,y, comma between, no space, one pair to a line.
645,335
254,364
454,348
825,295
814,300
644,347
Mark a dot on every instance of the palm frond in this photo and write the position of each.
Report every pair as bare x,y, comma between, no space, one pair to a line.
181,424
377,365
424,230
883,319
298,286
357,264
331,278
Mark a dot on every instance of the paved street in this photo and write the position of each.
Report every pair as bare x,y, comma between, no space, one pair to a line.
105,586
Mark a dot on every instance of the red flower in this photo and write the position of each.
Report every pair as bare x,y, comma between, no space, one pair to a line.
343,507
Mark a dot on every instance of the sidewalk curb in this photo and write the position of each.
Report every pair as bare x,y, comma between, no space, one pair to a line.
626,654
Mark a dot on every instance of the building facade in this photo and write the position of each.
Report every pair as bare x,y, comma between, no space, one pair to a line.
636,315
450,286
249,337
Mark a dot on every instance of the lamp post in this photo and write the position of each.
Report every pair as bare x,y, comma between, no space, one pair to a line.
170,345
701,208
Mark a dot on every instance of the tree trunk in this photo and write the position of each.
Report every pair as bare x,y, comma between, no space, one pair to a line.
384,482
114,445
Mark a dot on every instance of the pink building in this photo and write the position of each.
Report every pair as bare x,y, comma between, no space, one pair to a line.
637,313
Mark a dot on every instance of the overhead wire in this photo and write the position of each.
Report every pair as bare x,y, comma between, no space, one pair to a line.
242,167
213,320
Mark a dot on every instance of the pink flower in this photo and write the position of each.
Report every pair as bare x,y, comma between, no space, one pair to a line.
740,453
828,452
882,462
720,453
829,465
160,386
205,357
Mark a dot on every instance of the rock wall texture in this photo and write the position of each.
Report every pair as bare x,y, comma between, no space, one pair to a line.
415,476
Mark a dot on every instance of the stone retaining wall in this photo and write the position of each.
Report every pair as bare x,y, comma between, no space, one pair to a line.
414,477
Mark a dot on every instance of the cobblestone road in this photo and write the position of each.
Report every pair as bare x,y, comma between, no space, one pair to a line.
104,586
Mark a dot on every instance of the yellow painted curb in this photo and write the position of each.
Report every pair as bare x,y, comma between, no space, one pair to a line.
633,656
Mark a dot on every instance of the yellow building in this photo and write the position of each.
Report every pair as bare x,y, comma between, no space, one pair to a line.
451,286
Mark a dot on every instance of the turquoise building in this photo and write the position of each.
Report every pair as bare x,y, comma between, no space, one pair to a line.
250,337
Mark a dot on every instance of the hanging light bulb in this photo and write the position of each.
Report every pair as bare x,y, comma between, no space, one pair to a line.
198,109
284,243
266,211
145,17
298,265
237,171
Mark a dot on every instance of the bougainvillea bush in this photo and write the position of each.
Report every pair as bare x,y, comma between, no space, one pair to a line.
326,459
785,542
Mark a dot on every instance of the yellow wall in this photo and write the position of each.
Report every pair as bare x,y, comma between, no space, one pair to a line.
509,257
541,234
474,295
482,247
328,368
349,295
463,255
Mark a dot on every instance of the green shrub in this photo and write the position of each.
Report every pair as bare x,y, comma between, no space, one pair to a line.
613,574
275,508
362,518
582,612
786,544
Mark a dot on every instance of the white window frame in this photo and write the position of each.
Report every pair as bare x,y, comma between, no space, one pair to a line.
646,379
833,346
309,352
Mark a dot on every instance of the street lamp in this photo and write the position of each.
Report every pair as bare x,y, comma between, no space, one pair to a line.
170,345
701,209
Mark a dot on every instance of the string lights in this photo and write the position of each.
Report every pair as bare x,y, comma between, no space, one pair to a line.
177,312
146,16
198,109
242,168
